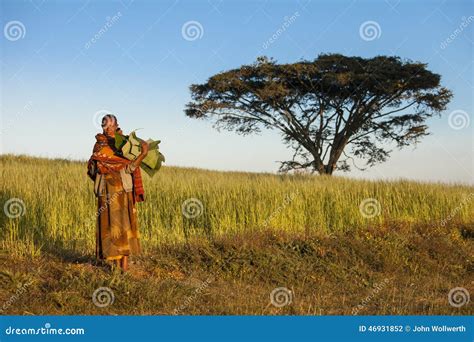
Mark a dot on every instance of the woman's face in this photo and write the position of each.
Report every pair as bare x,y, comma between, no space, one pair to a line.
110,127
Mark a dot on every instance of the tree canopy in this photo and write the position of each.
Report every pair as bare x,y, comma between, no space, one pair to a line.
328,110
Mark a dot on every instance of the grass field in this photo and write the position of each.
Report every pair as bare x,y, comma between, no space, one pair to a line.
221,242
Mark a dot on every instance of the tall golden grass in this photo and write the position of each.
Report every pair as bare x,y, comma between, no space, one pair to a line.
58,208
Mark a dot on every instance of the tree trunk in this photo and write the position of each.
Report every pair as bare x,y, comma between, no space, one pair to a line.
335,154
321,168
327,170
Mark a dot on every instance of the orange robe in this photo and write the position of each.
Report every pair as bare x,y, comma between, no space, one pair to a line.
117,226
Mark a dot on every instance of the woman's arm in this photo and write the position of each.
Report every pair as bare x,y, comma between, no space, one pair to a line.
145,146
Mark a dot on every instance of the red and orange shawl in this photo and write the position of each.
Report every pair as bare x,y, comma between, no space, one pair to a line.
104,160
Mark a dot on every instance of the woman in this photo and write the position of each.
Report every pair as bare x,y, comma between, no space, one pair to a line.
117,185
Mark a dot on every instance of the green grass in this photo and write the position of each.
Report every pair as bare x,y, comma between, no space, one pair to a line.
60,206
255,232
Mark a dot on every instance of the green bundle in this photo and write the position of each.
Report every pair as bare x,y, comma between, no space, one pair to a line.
130,148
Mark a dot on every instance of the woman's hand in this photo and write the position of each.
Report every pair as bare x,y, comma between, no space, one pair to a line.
144,152
145,147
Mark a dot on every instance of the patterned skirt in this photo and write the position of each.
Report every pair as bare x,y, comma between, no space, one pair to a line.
117,226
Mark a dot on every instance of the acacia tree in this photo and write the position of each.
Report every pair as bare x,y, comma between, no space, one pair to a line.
328,110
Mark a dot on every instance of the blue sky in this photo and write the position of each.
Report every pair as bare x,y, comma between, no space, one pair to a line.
69,61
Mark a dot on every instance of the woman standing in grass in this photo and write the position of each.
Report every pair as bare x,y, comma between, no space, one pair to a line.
118,186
